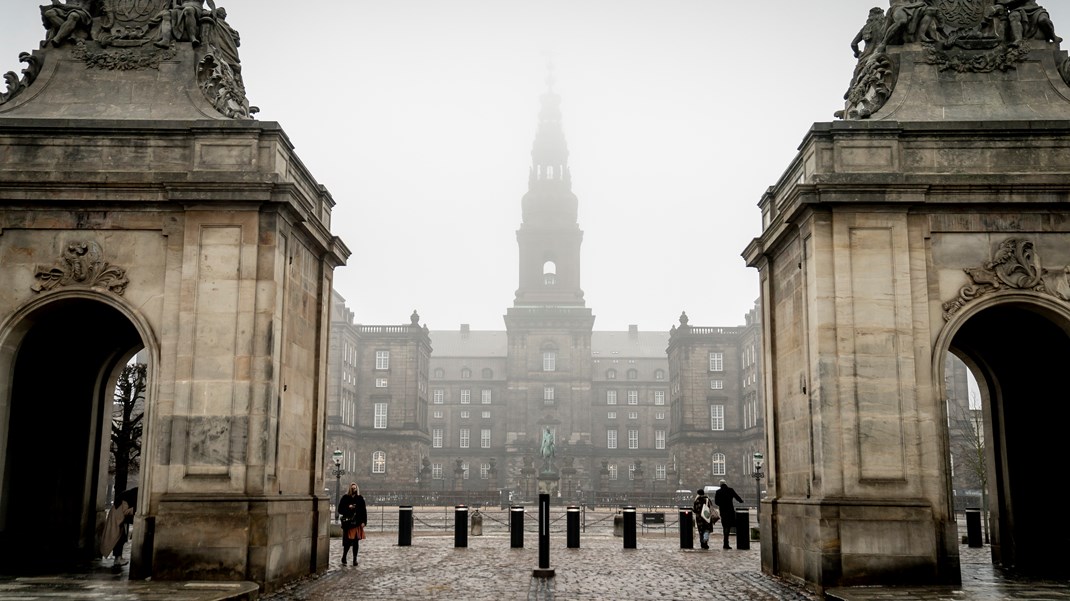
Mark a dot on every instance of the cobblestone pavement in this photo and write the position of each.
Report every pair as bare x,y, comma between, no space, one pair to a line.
432,568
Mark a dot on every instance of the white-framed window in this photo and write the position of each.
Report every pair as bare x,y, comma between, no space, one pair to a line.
611,415
549,361
612,471
466,373
465,438
633,374
464,470
485,396
440,373
717,418
438,396
379,462
466,414
718,464
436,438
633,397
633,439
611,397
484,438
436,471
659,374
631,472
611,439
659,415
486,415
382,359
659,439
659,397
437,414
633,415
716,384
484,471
548,395
659,471
611,374
466,396
716,361
380,416
380,382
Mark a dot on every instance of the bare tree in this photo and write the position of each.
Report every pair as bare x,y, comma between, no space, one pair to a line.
128,412
972,450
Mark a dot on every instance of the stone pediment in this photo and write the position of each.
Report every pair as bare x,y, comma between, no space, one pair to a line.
131,59
964,60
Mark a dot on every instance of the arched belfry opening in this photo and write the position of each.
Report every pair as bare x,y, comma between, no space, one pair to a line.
64,357
1017,350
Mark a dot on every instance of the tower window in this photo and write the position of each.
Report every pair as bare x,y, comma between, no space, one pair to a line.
549,273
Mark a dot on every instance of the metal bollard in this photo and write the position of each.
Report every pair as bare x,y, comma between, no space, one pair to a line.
544,570
973,528
687,529
572,524
742,527
405,525
460,526
629,527
516,527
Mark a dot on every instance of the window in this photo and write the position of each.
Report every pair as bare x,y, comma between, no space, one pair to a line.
659,397
466,396
438,414
464,438
716,361
380,382
379,462
716,384
613,471
659,439
611,439
611,397
466,373
611,415
631,472
484,438
611,374
633,374
484,471
633,439
488,373
466,414
549,268
486,415
438,396
382,359
659,471
718,464
659,374
633,415
549,361
659,415
548,395
464,470
436,471
436,438
717,417
633,397
440,373
380,416
484,396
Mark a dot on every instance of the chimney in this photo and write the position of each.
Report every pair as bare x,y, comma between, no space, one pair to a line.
464,331
633,332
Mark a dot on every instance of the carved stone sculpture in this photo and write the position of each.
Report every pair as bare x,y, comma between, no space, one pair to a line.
62,21
81,263
15,85
1016,266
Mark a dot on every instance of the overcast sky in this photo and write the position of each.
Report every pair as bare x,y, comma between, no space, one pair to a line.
419,116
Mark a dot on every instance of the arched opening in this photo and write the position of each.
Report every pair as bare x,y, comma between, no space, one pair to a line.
549,273
1017,351
64,358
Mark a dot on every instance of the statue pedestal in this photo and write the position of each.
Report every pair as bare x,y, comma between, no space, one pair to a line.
549,483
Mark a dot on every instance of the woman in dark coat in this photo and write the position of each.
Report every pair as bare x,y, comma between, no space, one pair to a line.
352,512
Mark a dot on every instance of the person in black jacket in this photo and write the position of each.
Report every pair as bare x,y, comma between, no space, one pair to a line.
704,525
723,499
352,512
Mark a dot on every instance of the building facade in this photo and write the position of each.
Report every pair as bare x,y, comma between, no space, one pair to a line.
629,411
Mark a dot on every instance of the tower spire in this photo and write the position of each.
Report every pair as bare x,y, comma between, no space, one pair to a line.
549,154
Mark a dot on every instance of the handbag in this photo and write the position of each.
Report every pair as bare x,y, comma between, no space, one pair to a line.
706,513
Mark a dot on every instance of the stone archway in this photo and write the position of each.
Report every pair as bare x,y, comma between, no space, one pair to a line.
63,357
1017,348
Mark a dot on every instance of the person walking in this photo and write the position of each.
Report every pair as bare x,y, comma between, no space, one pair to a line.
705,517
114,537
353,514
723,499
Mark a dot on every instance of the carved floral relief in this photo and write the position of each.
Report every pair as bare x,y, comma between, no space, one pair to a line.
81,264
1015,266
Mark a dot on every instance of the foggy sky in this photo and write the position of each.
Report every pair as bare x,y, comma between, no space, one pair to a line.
419,116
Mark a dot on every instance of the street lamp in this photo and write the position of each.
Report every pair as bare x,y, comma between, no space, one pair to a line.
758,475
338,473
